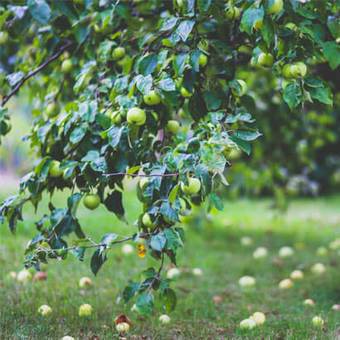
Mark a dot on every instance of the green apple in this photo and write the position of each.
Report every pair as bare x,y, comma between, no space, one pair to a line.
146,220
152,98
173,126
181,113
291,26
203,45
287,71
118,53
85,310
185,93
52,110
54,170
67,65
136,116
265,59
244,88
91,201
276,7
258,24
193,187
3,38
299,70
232,13
202,60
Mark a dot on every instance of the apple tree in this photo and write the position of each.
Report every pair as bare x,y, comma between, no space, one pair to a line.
155,90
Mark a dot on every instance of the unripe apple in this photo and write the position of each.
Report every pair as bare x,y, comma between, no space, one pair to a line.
118,53
85,310
247,324
127,249
67,65
259,318
136,116
54,170
40,276
265,59
52,110
146,220
197,271
173,126
122,327
45,310
276,7
286,252
85,282
181,113
232,13
246,241
172,273
45,245
322,251
67,338
318,269
91,201
296,275
193,187
3,38
291,26
185,93
260,253
153,98
299,70
203,45
317,321
287,71
202,60
309,302
244,88
258,24
122,62
164,319
11,275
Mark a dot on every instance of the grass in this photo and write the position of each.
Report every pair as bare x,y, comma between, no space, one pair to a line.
212,245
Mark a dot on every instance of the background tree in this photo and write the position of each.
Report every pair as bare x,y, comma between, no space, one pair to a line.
151,89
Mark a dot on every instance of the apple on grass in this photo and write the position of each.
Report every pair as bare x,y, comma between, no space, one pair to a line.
247,324
296,275
172,273
44,310
91,201
67,337
164,319
136,116
309,302
197,271
247,281
40,276
24,276
286,284
127,249
85,310
259,318
260,253
286,252
85,282
193,186
122,327
317,321
152,98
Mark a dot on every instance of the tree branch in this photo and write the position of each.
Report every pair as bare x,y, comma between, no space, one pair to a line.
140,175
34,72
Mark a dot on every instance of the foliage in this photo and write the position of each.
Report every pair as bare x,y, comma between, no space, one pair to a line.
106,77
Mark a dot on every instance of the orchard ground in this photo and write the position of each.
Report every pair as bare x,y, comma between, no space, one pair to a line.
214,246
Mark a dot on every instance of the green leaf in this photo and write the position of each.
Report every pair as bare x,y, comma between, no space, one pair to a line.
331,51
145,304
97,260
148,64
144,84
168,212
40,11
108,239
185,28
212,100
66,7
247,135
218,203
322,94
203,5
91,155
179,63
168,300
73,202
168,24
245,146
114,203
130,291
268,31
167,85
292,95
77,134
158,241
333,24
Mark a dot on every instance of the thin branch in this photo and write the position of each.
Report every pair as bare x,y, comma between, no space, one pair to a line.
141,175
34,72
157,276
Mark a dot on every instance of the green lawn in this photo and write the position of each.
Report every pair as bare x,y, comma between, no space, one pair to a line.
214,246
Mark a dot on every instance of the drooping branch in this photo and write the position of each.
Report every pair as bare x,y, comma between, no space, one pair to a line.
141,175
34,72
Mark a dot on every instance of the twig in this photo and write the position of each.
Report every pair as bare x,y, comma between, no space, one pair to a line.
140,175
34,72
157,276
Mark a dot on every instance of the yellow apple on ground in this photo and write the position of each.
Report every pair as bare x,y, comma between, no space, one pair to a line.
318,268
286,284
67,337
91,201
118,53
296,275
164,319
259,318
286,252
127,249
247,281
55,170
173,126
136,116
172,273
193,187
309,302
317,321
260,253
247,324
152,98
85,282
85,310
45,310
122,327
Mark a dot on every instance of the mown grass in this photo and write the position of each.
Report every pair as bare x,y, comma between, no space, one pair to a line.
212,245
